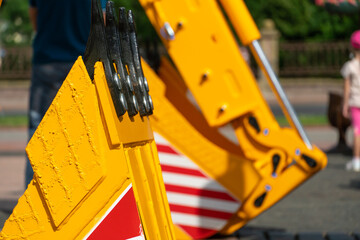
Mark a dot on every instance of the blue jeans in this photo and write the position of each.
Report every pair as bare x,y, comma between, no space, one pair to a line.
46,80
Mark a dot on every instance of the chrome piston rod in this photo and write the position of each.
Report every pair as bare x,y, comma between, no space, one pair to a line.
266,67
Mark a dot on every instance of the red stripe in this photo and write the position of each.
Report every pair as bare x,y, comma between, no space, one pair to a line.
198,233
165,149
200,212
192,172
124,214
199,192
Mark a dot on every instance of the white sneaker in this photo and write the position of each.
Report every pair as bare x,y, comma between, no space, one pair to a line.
353,165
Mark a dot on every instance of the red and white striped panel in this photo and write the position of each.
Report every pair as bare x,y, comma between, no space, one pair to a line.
199,205
121,220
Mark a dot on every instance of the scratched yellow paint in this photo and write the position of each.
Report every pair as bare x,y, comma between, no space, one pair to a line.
80,170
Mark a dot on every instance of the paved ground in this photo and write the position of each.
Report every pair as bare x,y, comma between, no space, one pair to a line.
329,202
14,97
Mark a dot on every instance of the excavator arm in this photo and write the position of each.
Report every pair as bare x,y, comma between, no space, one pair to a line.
268,161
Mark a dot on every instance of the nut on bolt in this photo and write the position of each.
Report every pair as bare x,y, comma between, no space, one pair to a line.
180,24
205,76
222,108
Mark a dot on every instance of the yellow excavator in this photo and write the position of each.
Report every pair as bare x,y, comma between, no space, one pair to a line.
213,184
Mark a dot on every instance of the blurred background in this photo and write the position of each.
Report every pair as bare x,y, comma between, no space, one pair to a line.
306,41
312,39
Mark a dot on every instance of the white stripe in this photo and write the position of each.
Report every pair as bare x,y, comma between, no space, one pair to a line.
196,221
137,238
159,139
202,202
172,159
109,210
192,181
182,161
176,161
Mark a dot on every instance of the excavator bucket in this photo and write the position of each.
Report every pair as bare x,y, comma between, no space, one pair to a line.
97,172
217,183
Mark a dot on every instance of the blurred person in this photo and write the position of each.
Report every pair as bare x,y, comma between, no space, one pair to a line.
351,106
61,32
2,55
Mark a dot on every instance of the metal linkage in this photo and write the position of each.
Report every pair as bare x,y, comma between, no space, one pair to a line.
113,40
144,87
131,60
97,50
116,47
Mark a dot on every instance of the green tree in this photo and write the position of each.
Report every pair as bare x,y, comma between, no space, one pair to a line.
297,20
15,27
303,20
145,30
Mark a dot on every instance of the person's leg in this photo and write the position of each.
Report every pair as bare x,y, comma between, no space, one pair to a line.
355,119
46,80
34,114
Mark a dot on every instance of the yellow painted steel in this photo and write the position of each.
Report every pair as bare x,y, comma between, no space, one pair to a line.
246,172
84,158
183,125
208,58
242,20
0,2
209,62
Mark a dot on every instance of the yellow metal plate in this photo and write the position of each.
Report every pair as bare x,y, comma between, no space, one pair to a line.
81,168
66,150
